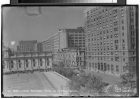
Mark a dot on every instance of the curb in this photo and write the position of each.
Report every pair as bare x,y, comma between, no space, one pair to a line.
49,81
61,76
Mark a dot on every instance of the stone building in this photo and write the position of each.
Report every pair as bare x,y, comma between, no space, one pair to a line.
68,57
111,39
74,39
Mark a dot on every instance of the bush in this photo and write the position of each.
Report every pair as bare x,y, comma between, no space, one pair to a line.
127,79
67,72
87,84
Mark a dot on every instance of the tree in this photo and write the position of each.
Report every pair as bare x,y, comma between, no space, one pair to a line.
127,79
87,83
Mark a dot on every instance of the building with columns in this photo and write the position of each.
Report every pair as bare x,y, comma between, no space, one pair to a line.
27,61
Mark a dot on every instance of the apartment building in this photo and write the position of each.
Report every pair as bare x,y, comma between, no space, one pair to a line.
111,39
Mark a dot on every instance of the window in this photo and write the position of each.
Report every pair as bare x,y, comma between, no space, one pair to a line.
123,34
19,63
115,23
122,21
40,62
108,67
124,68
12,64
116,35
89,65
116,58
116,47
116,41
110,36
115,11
93,65
122,27
48,62
116,29
112,68
26,62
34,62
123,47
117,68
123,41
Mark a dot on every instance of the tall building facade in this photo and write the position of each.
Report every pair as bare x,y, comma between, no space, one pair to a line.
74,39
27,46
111,39
51,44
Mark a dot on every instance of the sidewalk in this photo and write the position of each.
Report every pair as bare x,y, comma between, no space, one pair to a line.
59,82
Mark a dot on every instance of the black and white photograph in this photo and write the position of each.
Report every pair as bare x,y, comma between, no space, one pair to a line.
65,1
53,51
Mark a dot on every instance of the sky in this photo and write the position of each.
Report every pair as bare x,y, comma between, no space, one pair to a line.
18,25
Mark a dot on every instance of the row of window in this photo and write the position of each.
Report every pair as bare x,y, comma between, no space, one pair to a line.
19,63
103,12
103,33
105,53
116,47
104,67
99,20
114,58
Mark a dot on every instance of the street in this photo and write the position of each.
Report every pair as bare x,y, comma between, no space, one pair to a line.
27,84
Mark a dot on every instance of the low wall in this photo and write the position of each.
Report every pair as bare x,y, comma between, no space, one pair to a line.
59,82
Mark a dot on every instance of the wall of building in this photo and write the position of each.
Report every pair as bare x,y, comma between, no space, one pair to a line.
27,46
68,57
23,62
63,39
107,39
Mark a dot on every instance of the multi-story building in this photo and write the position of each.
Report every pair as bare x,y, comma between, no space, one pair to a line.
27,46
26,61
51,44
73,39
68,57
111,39
66,39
